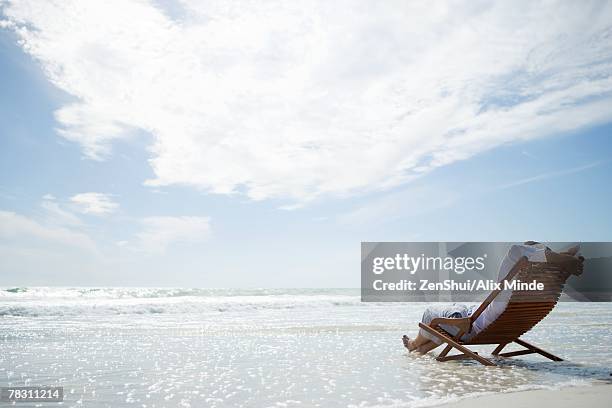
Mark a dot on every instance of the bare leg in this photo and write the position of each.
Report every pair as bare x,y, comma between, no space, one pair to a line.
412,345
420,340
427,347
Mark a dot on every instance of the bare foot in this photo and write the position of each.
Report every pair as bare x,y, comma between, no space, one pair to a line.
408,343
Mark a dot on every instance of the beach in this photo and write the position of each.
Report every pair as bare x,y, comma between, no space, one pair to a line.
593,396
148,347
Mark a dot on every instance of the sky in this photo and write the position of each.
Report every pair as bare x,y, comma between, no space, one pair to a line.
256,144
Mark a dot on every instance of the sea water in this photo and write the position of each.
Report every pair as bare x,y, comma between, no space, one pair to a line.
147,347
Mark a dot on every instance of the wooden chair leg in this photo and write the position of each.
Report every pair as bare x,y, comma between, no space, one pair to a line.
456,345
455,357
499,348
538,350
444,352
517,353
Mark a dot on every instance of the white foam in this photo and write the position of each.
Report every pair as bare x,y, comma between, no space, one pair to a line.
113,301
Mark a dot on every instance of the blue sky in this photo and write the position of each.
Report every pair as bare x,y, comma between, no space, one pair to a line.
114,172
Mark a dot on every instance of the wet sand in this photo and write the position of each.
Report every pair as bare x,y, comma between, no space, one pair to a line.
595,396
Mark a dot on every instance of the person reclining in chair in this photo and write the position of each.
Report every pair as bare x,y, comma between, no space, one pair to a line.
535,252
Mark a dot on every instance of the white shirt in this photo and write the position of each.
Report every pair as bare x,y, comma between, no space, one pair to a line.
534,253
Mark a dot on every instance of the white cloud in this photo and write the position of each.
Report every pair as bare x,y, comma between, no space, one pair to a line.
550,175
24,232
160,232
287,100
94,203
411,202
56,215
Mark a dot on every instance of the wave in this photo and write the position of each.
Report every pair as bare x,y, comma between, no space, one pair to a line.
152,292
147,301
16,290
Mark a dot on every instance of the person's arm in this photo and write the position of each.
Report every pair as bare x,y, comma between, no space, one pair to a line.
570,263
533,251
464,324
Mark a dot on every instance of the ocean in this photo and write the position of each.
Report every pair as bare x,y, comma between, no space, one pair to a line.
162,347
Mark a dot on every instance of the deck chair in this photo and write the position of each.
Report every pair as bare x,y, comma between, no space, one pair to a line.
525,309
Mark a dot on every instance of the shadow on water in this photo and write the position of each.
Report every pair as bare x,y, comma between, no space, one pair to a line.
468,377
563,368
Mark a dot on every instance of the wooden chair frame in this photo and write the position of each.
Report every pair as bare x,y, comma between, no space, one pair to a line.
526,315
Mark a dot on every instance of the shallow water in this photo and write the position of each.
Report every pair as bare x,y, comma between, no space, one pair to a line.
265,348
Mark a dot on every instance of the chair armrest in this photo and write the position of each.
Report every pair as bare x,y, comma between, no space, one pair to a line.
464,324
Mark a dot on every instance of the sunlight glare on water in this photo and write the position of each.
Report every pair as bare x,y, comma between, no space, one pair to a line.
230,348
